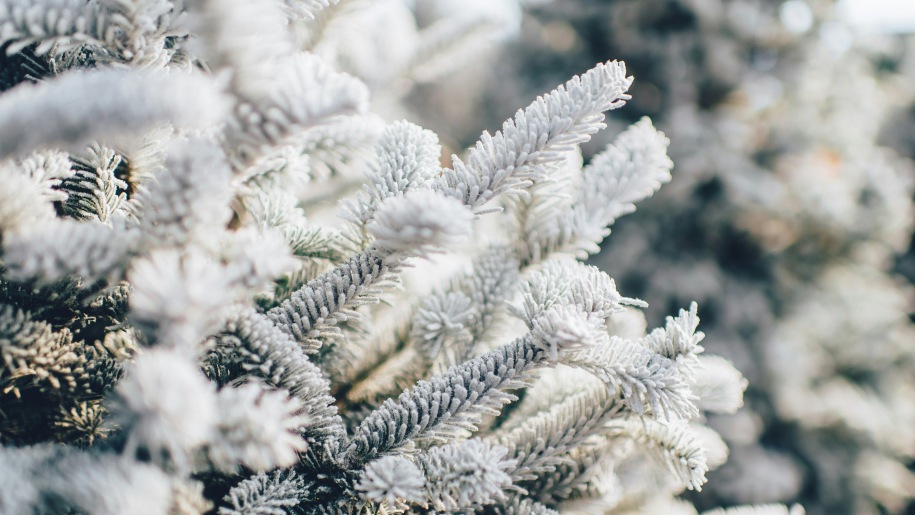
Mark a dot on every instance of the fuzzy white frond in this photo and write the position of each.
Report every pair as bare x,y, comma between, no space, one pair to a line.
537,136
678,340
303,92
441,321
647,382
177,298
189,199
52,251
629,170
718,385
95,192
674,444
48,169
407,159
566,328
106,108
420,223
257,428
266,495
166,406
393,479
467,474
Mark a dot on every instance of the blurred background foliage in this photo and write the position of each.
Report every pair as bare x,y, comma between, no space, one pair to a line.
789,217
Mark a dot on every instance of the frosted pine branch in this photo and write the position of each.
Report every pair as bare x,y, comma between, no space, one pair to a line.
53,251
94,191
265,494
452,403
420,223
407,158
546,440
257,428
106,107
647,382
166,406
190,197
536,137
465,474
309,314
718,385
629,170
267,352
673,443
393,480
306,93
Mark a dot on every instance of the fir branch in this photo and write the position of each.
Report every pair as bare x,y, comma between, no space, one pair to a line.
648,382
65,248
536,137
106,107
167,408
267,352
177,298
94,193
407,158
453,403
23,203
393,480
308,93
718,385
34,354
311,312
630,169
546,440
341,147
419,223
465,475
257,428
60,23
673,443
189,198
262,494
49,169
678,341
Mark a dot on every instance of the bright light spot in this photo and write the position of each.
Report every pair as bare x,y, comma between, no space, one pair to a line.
836,37
886,16
796,16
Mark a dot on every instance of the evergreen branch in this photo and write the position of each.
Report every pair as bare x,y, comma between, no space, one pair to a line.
257,428
94,192
262,494
546,440
65,248
307,93
49,169
189,198
536,137
312,311
718,385
393,479
453,403
647,381
407,158
465,475
32,353
107,107
673,443
267,352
